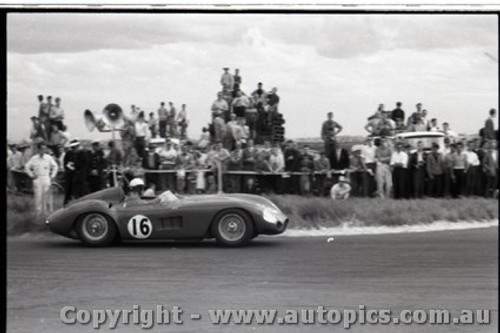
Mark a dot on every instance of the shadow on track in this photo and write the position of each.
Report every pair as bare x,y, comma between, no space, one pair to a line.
167,244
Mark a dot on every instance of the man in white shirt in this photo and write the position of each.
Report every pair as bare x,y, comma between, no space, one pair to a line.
57,114
472,174
226,80
399,165
141,134
368,155
448,132
42,169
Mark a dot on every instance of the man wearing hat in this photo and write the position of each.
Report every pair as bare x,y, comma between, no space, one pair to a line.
226,80
341,190
97,163
42,169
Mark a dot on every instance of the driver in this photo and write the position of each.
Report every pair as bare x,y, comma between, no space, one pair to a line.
137,187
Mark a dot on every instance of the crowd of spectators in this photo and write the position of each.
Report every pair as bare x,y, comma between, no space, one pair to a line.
227,148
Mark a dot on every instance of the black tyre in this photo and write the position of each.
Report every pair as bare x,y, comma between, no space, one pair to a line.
232,227
96,229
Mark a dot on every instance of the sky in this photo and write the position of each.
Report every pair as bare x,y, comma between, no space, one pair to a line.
344,63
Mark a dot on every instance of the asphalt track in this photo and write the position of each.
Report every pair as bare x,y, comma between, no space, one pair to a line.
433,270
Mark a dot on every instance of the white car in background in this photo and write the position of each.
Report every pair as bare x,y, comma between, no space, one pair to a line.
427,138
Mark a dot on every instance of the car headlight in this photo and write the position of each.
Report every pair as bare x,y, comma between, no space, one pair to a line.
269,215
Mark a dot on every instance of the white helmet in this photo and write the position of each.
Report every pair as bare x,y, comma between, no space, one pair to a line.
136,182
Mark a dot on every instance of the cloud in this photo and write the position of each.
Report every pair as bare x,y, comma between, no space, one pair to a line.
333,35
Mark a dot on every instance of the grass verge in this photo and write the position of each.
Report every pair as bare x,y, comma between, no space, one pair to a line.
313,212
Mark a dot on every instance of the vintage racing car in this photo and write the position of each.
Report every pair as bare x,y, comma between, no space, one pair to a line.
103,217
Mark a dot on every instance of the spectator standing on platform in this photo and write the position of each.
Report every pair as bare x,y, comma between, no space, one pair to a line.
57,114
97,164
204,138
433,126
219,111
384,176
128,135
491,126
399,164
448,132
490,167
398,115
141,134
240,104
341,190
171,124
57,140
435,170
226,80
43,108
182,122
385,125
42,169
153,125
236,81
417,166
329,131
162,119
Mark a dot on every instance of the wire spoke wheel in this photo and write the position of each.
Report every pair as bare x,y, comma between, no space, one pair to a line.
232,227
95,227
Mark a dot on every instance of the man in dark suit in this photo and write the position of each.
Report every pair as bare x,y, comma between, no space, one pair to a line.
417,167
489,132
339,160
151,161
490,167
435,171
96,169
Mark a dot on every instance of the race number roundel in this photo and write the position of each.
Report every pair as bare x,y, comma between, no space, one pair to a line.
139,226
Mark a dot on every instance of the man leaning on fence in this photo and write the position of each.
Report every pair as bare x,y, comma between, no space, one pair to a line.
42,169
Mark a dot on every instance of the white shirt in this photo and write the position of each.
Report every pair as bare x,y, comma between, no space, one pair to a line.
368,153
400,157
277,162
141,129
472,158
44,166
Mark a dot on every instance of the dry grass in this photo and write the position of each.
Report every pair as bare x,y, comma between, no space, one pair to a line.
308,213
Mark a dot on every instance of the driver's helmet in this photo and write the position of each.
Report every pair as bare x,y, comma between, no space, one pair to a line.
136,182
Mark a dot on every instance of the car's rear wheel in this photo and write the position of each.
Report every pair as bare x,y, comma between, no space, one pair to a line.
96,229
232,227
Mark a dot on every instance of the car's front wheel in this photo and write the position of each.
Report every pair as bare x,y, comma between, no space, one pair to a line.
232,227
96,229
